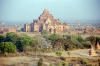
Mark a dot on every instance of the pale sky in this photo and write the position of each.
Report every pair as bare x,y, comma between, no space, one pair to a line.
27,10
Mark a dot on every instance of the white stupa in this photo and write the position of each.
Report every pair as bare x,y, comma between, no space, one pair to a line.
92,52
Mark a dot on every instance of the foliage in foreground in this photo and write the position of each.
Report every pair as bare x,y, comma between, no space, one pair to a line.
59,53
19,40
2,38
63,64
40,62
7,47
69,53
84,61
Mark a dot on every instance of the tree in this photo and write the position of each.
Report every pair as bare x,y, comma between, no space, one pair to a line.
86,44
77,44
92,39
59,53
98,39
69,53
68,36
53,37
79,38
66,44
40,63
2,37
24,41
7,47
11,37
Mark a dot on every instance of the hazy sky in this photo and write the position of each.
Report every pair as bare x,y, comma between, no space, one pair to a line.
27,10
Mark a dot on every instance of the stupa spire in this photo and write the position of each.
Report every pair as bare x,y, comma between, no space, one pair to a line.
92,52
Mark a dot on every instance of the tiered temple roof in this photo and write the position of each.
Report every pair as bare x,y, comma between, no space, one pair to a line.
46,15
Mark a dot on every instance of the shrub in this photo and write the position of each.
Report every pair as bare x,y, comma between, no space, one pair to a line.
40,63
63,64
53,37
6,54
84,61
7,47
63,58
2,38
86,44
59,53
50,64
69,53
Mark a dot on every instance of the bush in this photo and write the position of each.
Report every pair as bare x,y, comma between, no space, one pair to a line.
23,42
50,64
40,63
2,37
63,58
53,37
86,44
69,53
6,54
59,53
7,47
84,61
63,64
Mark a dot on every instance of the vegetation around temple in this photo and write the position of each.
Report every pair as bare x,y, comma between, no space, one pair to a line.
45,43
24,42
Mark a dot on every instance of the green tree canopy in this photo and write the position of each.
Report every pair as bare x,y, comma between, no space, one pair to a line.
86,44
11,37
7,47
98,39
92,39
24,41
53,37
2,37
66,44
79,38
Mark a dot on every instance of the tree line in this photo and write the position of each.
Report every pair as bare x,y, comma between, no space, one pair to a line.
12,42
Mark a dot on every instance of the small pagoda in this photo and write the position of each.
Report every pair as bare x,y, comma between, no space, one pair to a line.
92,52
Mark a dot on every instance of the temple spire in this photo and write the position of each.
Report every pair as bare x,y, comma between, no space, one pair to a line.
45,11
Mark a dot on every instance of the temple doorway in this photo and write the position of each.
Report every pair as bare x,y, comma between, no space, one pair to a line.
54,30
50,30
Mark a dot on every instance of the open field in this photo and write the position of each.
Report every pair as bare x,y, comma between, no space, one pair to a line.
48,58
76,53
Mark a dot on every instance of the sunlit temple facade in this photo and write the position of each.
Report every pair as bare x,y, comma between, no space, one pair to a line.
46,22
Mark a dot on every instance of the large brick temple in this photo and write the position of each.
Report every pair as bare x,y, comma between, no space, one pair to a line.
46,22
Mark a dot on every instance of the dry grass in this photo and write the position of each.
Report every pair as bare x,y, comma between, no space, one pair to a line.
24,59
